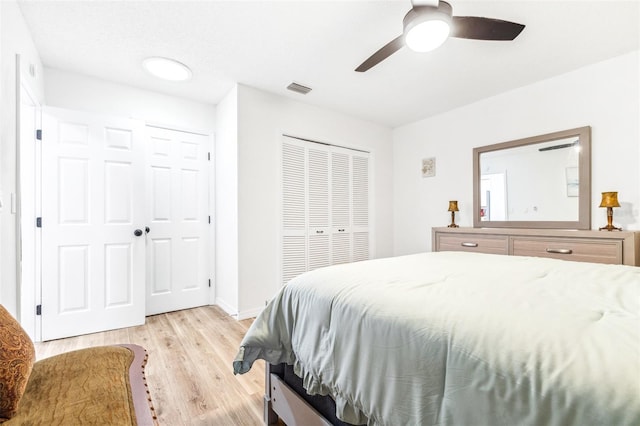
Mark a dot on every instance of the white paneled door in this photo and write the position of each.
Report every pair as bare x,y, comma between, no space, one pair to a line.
93,251
178,220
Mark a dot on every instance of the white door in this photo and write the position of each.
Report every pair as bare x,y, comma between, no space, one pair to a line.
93,264
318,207
294,210
178,220
325,206
360,206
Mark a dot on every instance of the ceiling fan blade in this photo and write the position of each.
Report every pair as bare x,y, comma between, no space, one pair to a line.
477,28
387,50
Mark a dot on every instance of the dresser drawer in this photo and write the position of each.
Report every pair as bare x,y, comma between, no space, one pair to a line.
577,249
493,244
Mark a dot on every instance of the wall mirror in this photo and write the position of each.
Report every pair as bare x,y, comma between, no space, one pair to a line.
538,182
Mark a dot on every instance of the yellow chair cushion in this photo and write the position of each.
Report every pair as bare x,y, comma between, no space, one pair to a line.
88,386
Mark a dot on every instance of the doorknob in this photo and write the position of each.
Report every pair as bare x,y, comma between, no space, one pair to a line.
147,229
137,232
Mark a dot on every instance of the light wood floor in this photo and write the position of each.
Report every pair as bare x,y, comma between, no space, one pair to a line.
189,372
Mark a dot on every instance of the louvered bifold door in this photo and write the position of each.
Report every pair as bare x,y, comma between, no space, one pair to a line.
294,236
340,209
325,210
360,207
318,204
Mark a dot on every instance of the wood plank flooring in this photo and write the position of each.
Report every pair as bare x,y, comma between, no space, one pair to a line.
189,372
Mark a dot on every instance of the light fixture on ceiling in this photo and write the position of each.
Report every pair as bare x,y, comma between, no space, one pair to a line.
426,28
166,69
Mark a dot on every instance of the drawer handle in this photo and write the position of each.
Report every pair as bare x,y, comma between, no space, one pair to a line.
559,251
469,244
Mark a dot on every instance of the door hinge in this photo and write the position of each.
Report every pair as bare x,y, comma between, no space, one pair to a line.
38,309
39,134
209,282
38,222
209,219
208,156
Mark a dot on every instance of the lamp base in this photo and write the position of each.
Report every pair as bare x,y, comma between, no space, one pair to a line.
609,227
453,220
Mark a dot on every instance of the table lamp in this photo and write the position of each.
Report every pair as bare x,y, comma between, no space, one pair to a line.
610,200
453,208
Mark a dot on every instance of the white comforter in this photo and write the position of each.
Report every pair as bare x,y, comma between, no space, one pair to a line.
455,338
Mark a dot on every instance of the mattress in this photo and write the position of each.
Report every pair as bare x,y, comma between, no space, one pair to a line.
461,338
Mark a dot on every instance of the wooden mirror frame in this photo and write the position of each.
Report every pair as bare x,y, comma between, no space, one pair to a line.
584,173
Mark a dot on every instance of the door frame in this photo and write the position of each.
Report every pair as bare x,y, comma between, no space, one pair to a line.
28,236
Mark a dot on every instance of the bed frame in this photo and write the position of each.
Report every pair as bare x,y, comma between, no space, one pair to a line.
281,401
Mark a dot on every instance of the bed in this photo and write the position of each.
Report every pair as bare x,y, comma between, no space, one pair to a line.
455,338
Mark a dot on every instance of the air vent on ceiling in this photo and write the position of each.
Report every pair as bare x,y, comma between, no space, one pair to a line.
295,87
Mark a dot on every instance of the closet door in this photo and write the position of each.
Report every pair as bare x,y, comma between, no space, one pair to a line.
318,202
325,206
360,207
340,207
294,211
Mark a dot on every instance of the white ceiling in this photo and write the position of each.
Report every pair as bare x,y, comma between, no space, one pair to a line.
269,44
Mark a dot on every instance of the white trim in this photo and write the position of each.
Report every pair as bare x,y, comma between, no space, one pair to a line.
239,315
249,313
325,143
281,133
178,128
28,189
212,215
226,307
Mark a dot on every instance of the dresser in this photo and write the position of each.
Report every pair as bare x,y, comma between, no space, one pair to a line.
616,247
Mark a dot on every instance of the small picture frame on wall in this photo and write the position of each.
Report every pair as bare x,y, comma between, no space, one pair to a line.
428,167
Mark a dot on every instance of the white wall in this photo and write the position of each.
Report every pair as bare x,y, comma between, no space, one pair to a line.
262,119
604,96
14,40
226,196
76,91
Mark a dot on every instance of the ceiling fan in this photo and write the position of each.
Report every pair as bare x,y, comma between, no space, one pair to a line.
429,23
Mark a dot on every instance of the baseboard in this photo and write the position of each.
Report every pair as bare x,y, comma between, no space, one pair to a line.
250,313
232,311
226,307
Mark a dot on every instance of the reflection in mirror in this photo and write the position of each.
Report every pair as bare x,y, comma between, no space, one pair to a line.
506,192
539,182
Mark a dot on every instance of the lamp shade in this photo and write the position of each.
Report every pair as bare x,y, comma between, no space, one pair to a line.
609,199
427,27
427,35
453,206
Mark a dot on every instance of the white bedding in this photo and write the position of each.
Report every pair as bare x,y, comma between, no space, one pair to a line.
454,338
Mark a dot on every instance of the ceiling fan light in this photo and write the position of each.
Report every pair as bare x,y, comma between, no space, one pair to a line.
428,35
166,69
